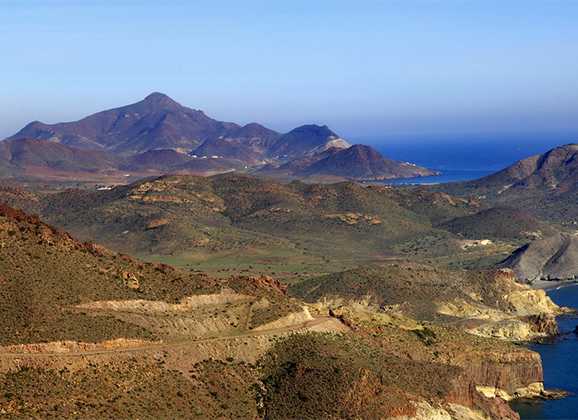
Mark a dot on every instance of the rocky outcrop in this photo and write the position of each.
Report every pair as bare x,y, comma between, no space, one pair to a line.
519,314
424,410
544,323
533,391
509,374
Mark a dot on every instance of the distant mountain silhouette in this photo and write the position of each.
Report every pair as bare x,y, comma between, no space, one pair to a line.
360,161
356,162
557,169
249,143
156,122
307,139
159,135
37,157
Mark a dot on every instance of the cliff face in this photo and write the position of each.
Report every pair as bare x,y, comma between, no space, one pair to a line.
509,371
480,308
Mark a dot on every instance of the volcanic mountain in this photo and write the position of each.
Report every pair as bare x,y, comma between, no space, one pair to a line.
156,122
306,140
361,161
355,162
159,122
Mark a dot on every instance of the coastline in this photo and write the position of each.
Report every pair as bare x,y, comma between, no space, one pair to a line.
558,360
548,285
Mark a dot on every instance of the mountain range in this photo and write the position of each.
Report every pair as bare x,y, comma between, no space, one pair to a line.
158,135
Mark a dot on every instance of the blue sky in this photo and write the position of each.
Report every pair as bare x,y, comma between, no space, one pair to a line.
410,69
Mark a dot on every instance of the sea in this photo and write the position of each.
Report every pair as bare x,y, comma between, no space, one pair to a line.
560,361
445,176
467,157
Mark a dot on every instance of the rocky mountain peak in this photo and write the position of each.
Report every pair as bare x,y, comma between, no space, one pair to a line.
158,99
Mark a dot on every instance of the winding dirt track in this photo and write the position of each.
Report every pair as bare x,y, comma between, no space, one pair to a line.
332,323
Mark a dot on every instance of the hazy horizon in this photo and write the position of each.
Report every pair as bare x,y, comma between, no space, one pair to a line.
417,70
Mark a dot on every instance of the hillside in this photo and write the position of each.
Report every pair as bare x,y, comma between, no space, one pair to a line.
554,170
230,221
486,303
162,161
26,157
46,273
176,213
552,258
542,185
87,332
363,162
499,223
249,144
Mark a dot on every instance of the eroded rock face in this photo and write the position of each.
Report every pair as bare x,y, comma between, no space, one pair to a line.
489,380
519,314
544,323
534,390
130,280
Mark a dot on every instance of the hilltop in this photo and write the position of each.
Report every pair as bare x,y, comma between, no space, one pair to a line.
306,140
543,185
356,162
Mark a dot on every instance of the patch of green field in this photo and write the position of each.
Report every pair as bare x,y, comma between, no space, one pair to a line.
290,265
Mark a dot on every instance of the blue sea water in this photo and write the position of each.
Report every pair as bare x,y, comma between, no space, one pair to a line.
447,175
465,159
484,152
560,360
